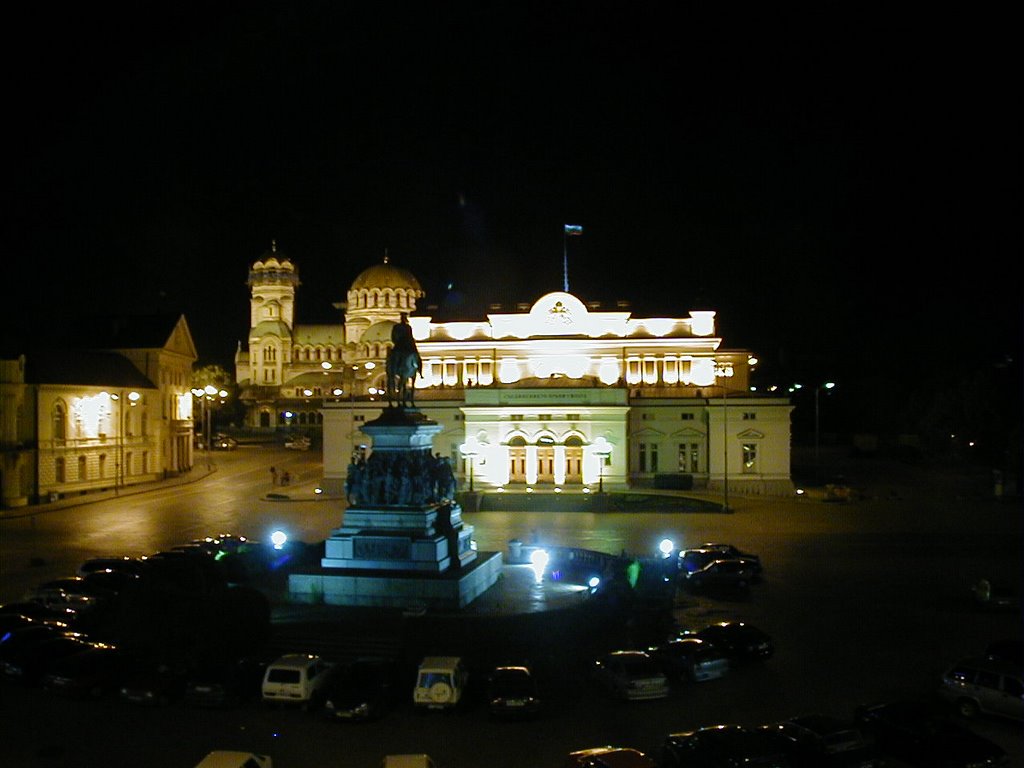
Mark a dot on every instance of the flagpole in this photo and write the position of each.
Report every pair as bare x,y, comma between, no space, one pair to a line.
565,260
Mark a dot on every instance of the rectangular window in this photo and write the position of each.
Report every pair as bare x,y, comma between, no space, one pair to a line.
688,453
643,457
686,416
748,416
654,457
750,457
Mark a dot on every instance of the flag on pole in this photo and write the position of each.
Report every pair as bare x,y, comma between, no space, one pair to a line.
573,229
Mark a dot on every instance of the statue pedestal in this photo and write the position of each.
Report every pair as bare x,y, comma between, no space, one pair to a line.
402,540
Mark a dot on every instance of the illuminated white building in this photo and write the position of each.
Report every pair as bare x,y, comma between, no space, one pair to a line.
108,417
557,394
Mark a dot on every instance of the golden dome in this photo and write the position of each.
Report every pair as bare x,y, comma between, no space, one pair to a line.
387,275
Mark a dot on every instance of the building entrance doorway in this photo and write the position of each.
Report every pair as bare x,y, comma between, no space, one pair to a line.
545,464
517,461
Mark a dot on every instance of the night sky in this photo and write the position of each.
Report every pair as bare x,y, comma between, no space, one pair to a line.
832,182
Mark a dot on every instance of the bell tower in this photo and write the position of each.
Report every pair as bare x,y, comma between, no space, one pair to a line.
272,282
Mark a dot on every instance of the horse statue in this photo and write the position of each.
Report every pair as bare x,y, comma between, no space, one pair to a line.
403,365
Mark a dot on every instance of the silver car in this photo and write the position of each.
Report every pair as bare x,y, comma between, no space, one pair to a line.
986,686
631,675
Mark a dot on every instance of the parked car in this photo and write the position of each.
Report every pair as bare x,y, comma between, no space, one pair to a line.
12,621
300,443
28,663
366,689
113,581
225,683
22,637
33,610
609,757
154,685
740,641
297,679
697,557
722,746
690,659
224,542
723,573
92,673
223,443
631,675
440,682
512,691
70,592
821,741
980,685
136,565
922,735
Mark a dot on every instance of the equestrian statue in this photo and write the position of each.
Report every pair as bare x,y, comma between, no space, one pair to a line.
403,366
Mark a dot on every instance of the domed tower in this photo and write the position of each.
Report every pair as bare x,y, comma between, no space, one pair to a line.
379,294
272,282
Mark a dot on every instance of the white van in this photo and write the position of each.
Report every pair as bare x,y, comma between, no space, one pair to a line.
440,682
222,758
295,678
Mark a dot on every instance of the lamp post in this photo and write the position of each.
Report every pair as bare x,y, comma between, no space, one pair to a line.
132,397
205,395
817,391
602,449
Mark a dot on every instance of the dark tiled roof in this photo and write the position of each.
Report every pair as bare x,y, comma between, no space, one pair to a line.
123,331
85,368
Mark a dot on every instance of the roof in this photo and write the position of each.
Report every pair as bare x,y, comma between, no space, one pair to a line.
84,368
386,275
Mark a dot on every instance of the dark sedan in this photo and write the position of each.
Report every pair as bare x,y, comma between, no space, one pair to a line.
923,735
740,641
690,659
94,672
28,664
821,741
367,689
225,683
154,685
722,746
735,572
512,692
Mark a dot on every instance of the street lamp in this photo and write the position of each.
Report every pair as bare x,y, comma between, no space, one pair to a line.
817,390
602,449
132,397
469,450
205,395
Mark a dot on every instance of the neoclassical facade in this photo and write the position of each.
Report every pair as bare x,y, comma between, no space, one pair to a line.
119,413
558,394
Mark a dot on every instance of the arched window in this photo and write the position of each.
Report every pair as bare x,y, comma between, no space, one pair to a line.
60,424
59,471
82,468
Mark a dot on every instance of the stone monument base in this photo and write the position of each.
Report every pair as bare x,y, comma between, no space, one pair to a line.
451,589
